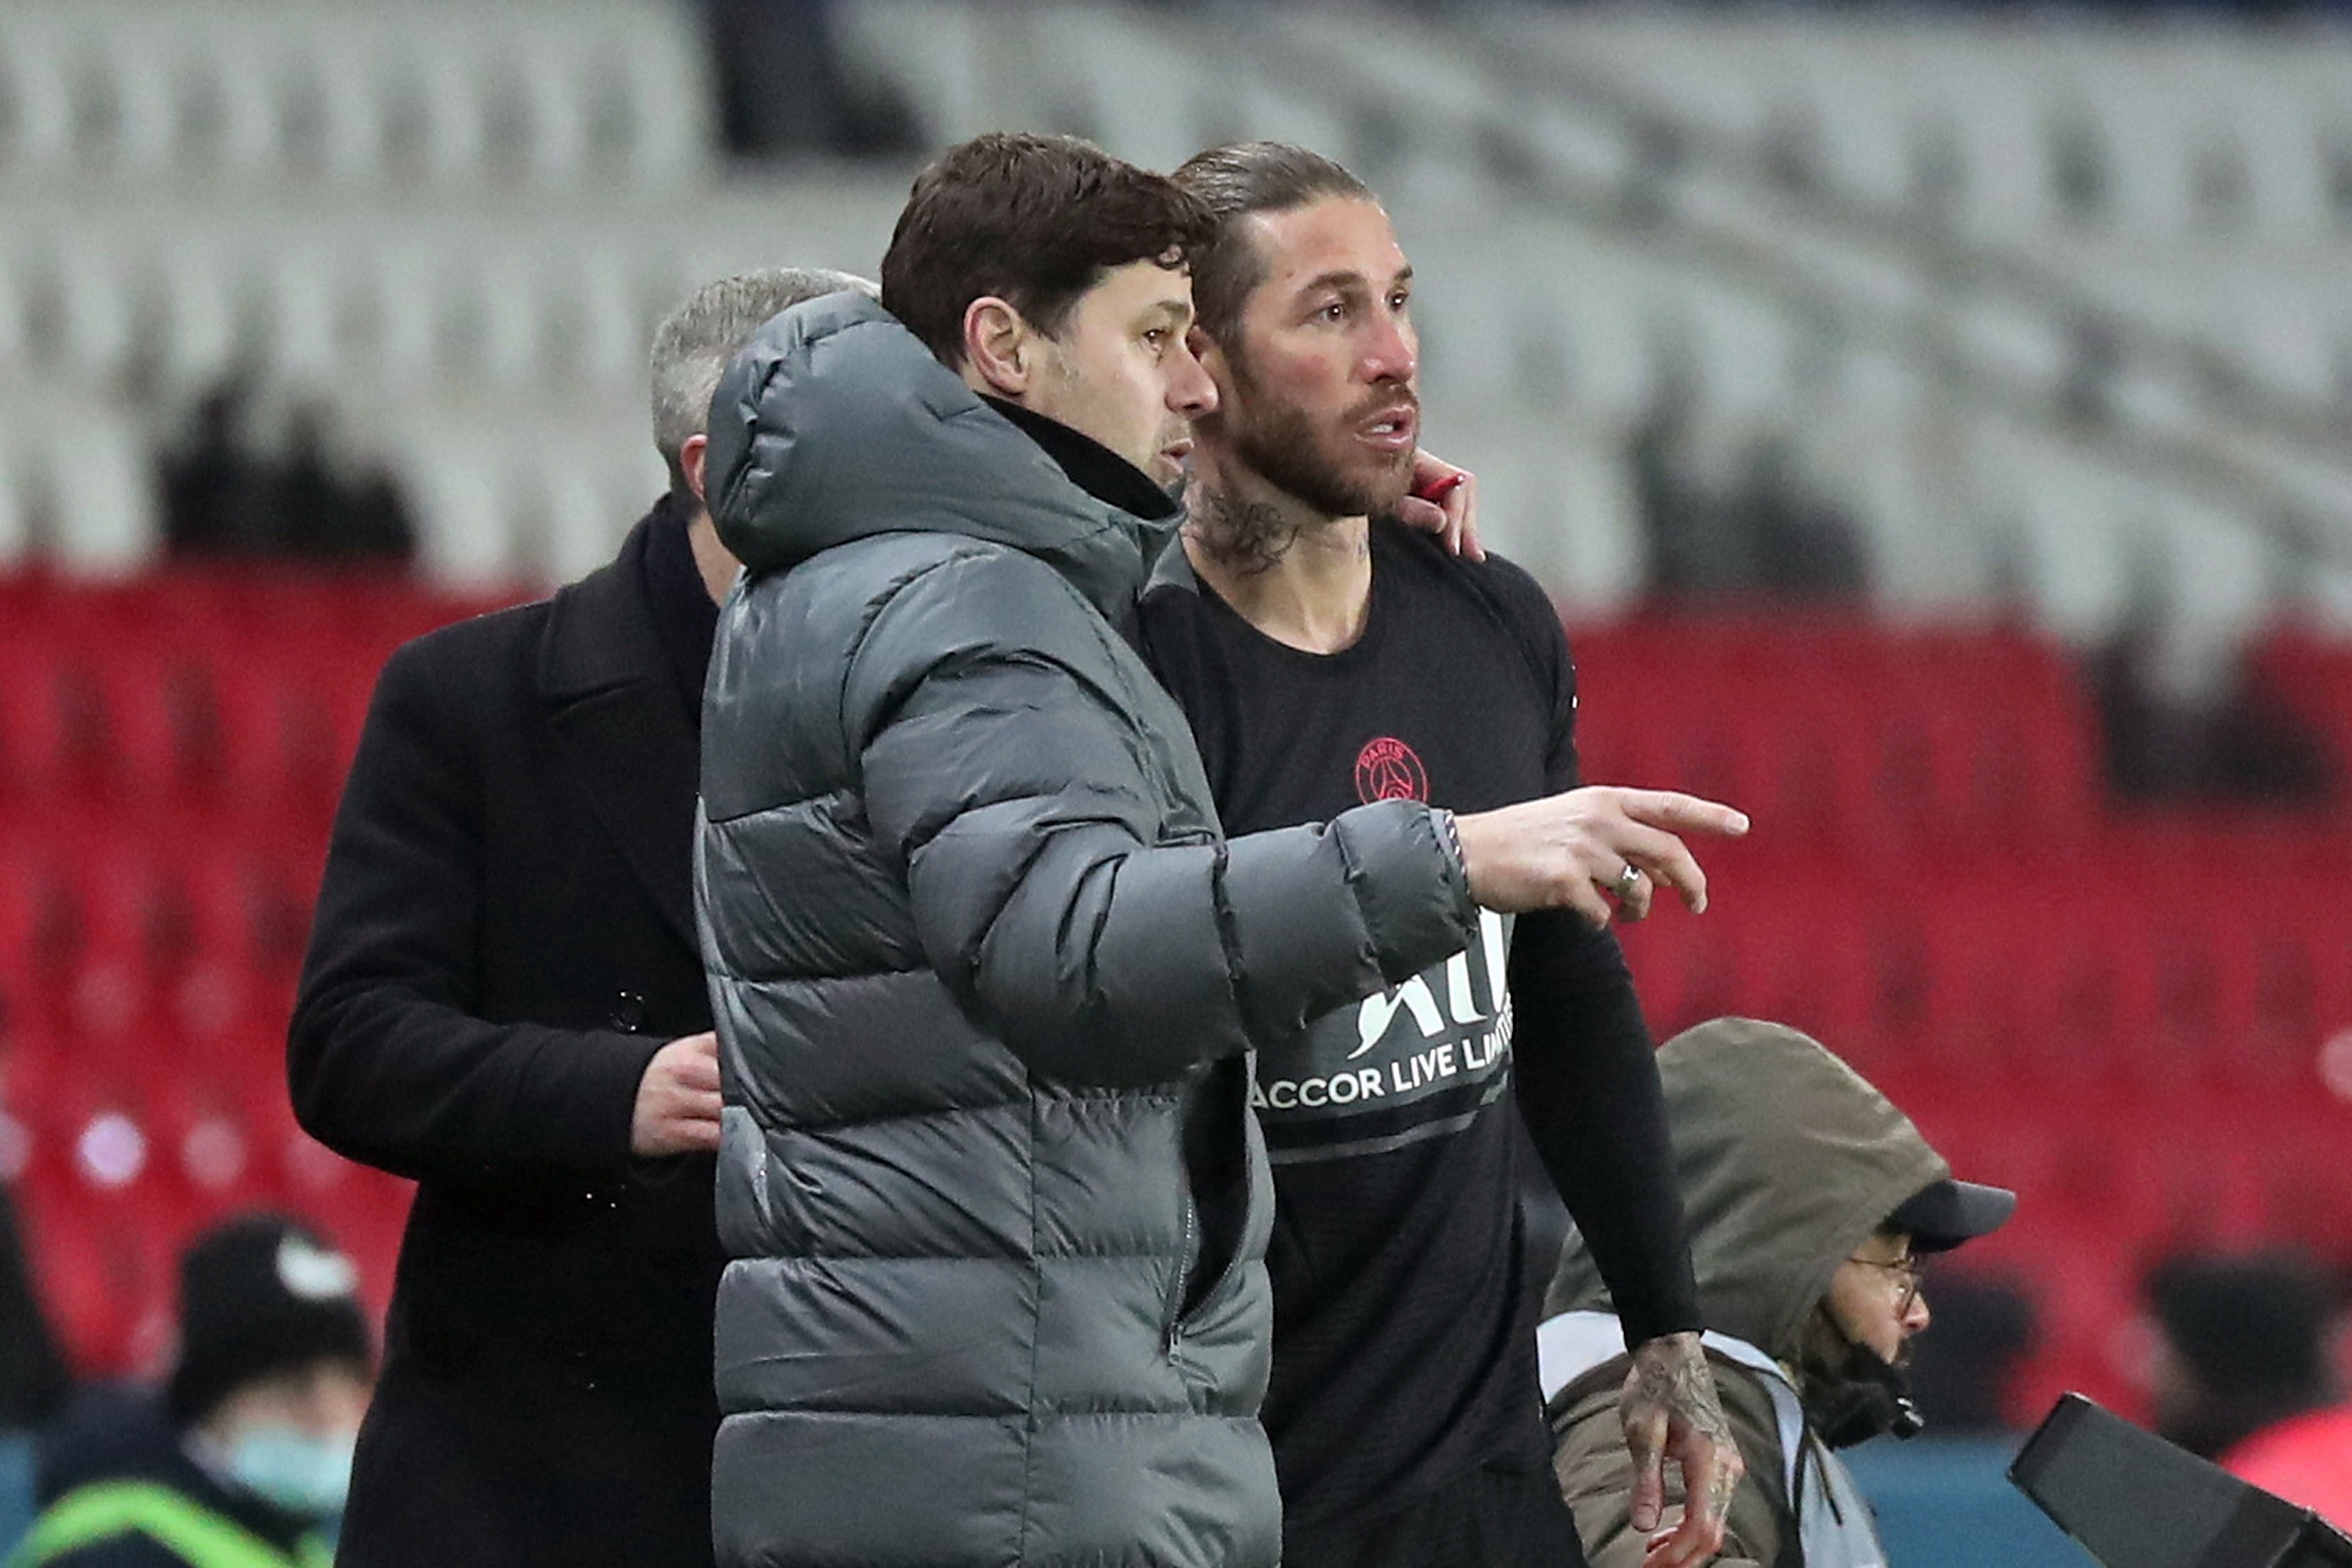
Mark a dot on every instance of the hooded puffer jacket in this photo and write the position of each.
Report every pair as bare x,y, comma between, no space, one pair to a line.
985,976
1788,1160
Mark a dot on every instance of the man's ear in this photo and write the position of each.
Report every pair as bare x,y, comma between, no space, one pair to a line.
999,354
692,453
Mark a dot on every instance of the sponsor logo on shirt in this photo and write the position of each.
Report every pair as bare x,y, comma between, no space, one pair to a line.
1388,769
1424,1043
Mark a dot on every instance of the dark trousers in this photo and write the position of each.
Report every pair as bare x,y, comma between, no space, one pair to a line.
1489,1518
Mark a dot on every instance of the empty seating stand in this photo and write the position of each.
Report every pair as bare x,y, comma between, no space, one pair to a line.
1936,886
275,90
171,751
411,218
2060,992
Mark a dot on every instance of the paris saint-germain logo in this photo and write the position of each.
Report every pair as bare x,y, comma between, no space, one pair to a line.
1387,769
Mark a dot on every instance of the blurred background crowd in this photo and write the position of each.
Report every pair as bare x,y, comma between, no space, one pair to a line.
1935,424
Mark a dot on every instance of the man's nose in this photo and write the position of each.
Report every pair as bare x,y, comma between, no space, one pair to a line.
1392,354
1190,390
1916,1316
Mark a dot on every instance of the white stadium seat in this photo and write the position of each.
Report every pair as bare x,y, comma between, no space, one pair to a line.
81,467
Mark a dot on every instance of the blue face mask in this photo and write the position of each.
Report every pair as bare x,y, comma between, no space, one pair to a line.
299,1473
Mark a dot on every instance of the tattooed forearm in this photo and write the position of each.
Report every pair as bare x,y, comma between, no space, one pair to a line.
1671,1372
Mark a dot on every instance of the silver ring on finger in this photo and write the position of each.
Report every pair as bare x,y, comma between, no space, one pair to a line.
1628,882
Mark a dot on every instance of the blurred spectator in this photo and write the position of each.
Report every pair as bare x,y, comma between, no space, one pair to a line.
241,1459
1804,545
328,509
216,485
2170,729
2242,1374
33,1378
1764,527
225,492
784,87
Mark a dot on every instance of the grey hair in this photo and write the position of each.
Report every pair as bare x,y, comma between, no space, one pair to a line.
693,344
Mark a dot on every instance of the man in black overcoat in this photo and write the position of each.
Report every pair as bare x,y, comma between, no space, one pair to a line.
503,1000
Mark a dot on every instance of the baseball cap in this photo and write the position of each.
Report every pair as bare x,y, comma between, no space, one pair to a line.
1944,1213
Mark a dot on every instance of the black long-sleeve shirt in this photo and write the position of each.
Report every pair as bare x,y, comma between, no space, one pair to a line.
1404,1307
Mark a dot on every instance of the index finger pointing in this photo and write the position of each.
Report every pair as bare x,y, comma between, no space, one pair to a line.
1679,813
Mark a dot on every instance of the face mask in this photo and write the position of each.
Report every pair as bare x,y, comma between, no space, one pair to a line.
1850,1394
299,1473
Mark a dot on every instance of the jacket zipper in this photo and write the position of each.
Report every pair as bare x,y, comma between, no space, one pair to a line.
1250,1157
1185,1263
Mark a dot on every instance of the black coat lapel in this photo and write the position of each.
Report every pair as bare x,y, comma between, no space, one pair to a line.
625,737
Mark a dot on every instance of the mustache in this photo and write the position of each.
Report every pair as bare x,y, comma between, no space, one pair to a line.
1393,400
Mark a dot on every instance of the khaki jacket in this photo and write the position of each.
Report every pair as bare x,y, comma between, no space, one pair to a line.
1787,1161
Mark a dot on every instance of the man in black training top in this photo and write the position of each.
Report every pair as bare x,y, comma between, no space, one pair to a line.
1327,658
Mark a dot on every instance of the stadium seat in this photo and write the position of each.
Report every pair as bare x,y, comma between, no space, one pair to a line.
2284,131
2150,143
36,85
1867,138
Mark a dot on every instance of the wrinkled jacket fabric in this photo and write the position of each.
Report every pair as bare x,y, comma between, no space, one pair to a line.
985,971
1787,1161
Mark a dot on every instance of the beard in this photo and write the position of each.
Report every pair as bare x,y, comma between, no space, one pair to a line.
1284,446
1851,1393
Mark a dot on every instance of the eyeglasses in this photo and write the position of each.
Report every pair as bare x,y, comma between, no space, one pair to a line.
1905,1270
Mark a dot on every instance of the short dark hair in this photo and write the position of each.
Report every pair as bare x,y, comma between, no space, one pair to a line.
1035,221
1233,182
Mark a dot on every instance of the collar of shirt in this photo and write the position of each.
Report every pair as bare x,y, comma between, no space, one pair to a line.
1089,465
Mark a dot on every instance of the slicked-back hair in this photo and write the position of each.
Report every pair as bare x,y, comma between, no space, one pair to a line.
1233,182
694,342
1032,220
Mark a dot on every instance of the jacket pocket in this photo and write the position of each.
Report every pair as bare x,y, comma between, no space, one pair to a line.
1230,1231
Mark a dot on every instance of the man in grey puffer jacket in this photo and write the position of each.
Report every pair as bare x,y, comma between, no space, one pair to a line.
984,970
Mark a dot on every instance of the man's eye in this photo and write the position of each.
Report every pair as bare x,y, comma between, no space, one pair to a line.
1398,300
1155,338
1337,310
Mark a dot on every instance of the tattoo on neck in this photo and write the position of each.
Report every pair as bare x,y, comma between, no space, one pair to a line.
1242,536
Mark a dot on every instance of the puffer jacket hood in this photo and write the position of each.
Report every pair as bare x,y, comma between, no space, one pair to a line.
1788,1160
893,441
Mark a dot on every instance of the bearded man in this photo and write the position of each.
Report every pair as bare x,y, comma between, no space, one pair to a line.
1327,658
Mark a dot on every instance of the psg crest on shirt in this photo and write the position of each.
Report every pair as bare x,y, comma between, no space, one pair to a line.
1388,769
